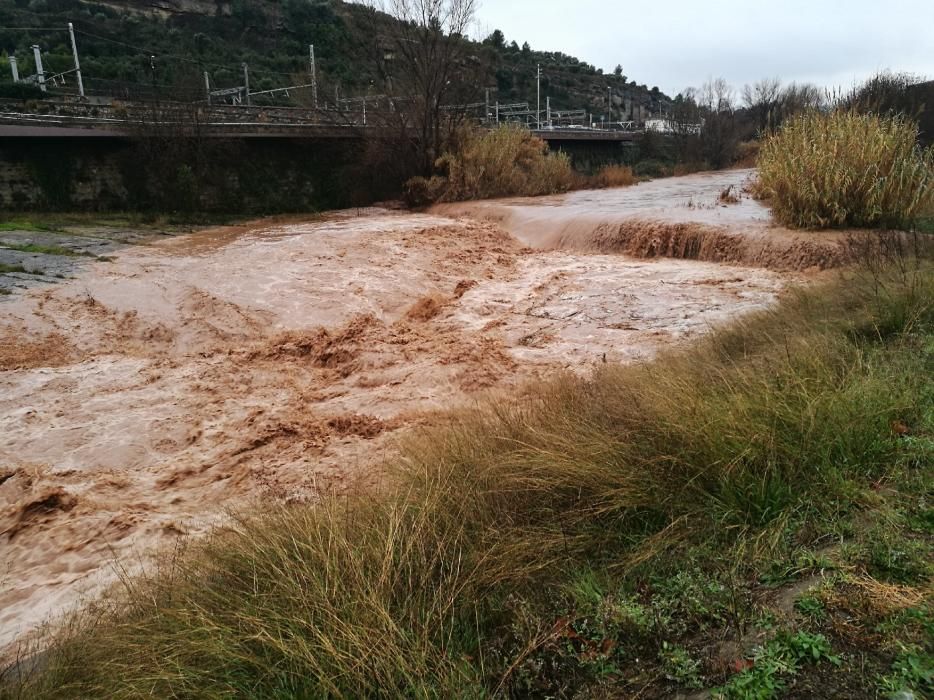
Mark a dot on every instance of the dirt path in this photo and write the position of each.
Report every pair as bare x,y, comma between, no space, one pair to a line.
144,397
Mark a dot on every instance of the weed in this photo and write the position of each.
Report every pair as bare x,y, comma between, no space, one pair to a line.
811,607
4,267
678,666
17,224
804,646
778,658
45,249
689,600
912,670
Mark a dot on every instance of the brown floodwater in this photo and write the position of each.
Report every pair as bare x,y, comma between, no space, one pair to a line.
706,216
141,399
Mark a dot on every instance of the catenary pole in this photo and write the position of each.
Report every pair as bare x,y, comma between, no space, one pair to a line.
40,74
538,97
314,74
74,52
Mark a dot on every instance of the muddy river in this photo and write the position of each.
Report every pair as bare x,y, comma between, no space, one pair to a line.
146,395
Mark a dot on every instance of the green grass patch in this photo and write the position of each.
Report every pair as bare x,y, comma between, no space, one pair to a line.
5,267
46,250
23,224
925,224
598,536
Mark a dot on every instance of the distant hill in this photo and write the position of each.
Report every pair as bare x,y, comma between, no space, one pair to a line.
117,38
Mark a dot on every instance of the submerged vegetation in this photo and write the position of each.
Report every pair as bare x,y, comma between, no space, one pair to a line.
751,515
846,169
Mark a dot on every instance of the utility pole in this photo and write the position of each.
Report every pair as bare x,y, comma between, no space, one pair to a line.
14,68
246,83
609,106
497,112
74,51
548,111
40,74
207,86
486,111
538,97
314,74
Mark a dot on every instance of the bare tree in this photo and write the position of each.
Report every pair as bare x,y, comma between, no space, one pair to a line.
719,137
799,98
762,100
424,59
169,154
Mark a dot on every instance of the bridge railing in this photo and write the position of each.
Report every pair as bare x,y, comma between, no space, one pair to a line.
218,120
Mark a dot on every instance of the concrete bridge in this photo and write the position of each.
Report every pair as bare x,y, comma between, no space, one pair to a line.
80,120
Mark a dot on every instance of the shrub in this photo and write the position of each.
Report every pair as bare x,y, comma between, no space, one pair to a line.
845,169
613,176
502,162
651,168
21,91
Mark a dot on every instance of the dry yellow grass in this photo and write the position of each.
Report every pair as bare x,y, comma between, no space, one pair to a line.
502,162
613,176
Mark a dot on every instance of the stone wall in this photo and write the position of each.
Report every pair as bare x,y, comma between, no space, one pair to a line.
60,174
230,176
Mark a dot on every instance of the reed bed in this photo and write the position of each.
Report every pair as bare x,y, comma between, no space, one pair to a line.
844,169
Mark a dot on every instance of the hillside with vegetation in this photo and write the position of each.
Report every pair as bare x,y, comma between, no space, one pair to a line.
137,47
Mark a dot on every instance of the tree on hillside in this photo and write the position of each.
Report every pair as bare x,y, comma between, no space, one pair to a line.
497,39
762,100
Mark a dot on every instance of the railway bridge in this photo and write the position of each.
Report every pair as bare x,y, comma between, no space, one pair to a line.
119,121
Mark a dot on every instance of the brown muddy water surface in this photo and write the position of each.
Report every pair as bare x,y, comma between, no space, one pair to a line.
681,217
145,396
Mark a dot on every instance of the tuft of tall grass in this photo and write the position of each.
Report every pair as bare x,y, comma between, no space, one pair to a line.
408,593
613,176
845,169
502,162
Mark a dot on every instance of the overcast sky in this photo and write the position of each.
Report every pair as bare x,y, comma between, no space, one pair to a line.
677,43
